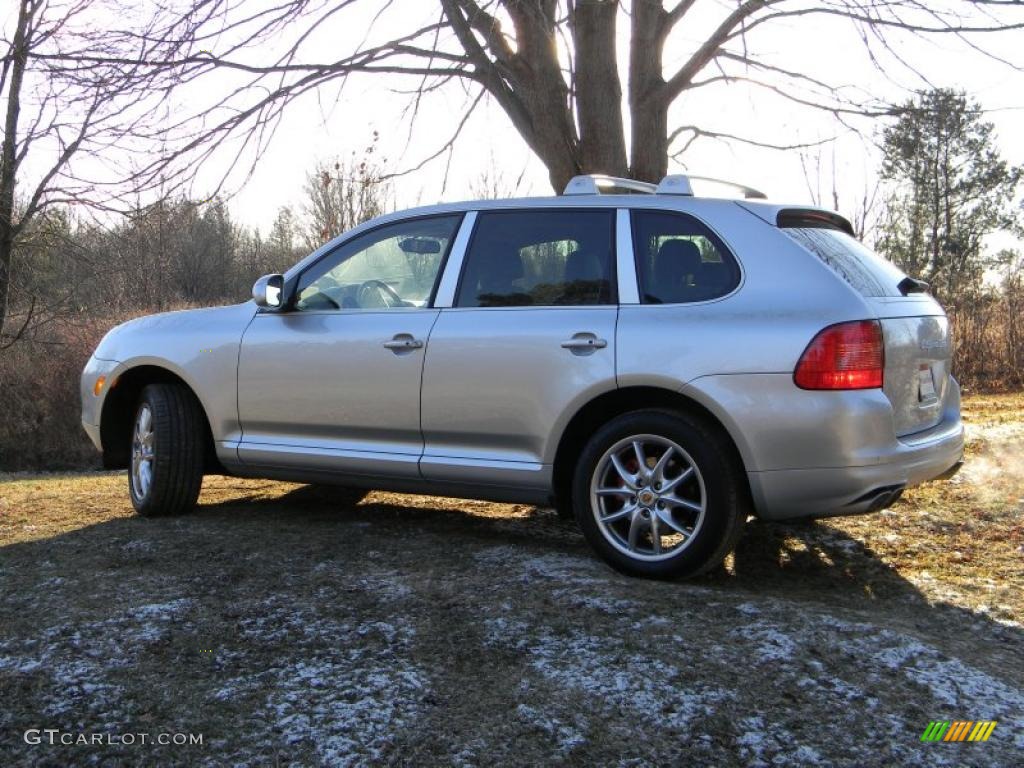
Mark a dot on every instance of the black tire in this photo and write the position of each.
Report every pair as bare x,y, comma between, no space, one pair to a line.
177,449
564,508
726,498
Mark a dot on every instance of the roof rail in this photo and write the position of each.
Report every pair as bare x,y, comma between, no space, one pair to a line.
596,184
748,192
675,184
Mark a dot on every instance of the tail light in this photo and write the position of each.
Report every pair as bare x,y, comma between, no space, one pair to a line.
843,356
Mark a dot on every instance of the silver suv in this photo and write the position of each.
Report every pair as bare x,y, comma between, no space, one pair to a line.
657,365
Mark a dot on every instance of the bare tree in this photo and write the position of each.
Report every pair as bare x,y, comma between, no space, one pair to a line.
551,65
342,194
821,176
215,77
74,93
493,183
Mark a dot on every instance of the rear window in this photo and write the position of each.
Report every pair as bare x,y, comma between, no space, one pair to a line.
870,274
559,257
680,260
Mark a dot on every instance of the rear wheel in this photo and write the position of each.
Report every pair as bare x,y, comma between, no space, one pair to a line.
166,470
658,494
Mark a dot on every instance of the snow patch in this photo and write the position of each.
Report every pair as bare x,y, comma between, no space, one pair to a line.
771,644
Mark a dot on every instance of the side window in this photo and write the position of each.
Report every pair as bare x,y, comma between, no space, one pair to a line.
393,267
679,260
540,258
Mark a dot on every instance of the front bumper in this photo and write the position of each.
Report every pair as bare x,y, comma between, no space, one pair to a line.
92,404
93,431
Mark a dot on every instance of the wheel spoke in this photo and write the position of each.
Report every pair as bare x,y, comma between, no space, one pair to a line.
614,492
675,481
658,473
634,530
674,501
627,477
624,512
666,517
655,534
641,457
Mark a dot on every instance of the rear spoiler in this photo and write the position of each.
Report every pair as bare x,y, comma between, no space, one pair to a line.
789,216
813,217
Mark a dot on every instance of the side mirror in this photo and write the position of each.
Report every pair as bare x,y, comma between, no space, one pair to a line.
268,291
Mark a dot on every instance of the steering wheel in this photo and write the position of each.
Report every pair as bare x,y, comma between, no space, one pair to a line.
319,301
377,293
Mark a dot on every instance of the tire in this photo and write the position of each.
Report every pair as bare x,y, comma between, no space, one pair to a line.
165,470
691,474
564,508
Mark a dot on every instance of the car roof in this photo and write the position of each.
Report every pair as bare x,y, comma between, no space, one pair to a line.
765,209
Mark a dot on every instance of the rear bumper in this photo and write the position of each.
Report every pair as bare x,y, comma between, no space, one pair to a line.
833,491
818,454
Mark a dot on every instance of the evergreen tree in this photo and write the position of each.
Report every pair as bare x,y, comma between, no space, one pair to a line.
948,190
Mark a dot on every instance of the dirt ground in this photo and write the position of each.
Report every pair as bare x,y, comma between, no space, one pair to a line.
290,629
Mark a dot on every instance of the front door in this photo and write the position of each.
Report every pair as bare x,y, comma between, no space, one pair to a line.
333,383
529,339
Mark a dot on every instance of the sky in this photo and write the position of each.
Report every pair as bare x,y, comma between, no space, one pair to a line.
829,51
334,122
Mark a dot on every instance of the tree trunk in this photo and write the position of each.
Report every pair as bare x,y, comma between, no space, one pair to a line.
536,76
598,90
648,103
8,157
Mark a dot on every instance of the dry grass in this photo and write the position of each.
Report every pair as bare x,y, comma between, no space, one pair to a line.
962,541
289,629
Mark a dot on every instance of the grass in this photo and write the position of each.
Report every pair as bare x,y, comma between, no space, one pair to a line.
290,628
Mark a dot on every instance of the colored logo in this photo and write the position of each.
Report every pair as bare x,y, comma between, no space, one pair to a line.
958,730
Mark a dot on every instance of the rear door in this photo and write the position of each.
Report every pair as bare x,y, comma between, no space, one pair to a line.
530,335
918,349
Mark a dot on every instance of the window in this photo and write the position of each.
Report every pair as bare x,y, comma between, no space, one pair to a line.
679,260
393,267
868,273
540,258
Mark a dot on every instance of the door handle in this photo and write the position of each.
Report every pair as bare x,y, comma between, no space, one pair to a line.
584,342
403,342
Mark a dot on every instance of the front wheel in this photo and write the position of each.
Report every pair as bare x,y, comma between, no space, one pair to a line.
166,469
659,494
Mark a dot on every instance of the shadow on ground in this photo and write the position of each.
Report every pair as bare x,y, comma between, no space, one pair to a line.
295,628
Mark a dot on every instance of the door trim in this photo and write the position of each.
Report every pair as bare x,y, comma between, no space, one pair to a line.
445,296
625,264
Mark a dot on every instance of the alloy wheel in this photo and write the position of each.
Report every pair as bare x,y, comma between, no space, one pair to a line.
648,497
142,453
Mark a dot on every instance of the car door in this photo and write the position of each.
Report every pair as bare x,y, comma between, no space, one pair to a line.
333,382
530,336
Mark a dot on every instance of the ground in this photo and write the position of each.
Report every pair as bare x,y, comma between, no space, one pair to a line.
289,628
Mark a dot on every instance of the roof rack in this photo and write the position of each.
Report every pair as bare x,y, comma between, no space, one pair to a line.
675,184
596,184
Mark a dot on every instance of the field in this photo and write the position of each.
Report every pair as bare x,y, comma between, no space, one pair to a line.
287,628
